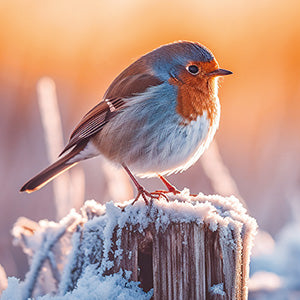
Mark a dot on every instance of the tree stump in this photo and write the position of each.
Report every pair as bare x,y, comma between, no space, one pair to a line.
187,248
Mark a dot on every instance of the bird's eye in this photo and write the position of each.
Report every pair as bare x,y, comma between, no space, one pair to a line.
193,69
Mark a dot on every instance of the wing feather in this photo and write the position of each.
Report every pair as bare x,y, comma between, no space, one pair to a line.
125,86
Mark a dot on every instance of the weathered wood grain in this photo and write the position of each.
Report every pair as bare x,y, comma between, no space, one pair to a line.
187,260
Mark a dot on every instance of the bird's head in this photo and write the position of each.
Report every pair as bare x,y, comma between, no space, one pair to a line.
193,69
186,63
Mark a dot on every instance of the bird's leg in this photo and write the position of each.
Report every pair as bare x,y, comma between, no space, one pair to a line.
171,188
142,192
140,189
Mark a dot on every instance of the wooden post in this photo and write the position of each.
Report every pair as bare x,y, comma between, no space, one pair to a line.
191,248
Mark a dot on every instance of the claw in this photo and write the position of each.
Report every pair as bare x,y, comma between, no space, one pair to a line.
161,193
141,192
154,195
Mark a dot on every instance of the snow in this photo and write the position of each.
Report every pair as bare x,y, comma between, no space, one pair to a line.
38,241
93,287
84,268
90,287
217,289
226,214
13,291
65,282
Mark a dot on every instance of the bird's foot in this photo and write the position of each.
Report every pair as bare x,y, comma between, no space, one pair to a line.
171,188
158,194
153,195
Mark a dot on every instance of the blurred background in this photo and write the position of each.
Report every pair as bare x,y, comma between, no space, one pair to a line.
83,45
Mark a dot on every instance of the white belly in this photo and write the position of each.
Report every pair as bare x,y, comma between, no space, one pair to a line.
180,148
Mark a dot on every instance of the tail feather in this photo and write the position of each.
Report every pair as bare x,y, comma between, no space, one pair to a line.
51,172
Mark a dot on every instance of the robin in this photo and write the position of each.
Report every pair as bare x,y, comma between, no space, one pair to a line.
156,118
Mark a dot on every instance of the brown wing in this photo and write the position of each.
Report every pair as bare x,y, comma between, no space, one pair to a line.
126,85
92,122
133,80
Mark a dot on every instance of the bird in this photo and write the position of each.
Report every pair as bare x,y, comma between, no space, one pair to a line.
156,118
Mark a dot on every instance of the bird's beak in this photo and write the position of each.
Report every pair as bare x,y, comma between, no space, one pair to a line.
219,72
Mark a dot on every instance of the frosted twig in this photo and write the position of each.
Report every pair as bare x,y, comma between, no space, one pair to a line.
50,238
66,278
218,173
119,186
77,187
38,260
54,140
54,269
3,280
50,117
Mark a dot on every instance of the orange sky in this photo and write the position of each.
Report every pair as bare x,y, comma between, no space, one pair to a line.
84,45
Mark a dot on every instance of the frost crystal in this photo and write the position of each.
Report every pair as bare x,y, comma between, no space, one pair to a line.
217,289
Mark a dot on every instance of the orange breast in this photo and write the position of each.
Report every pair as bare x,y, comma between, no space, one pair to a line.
197,93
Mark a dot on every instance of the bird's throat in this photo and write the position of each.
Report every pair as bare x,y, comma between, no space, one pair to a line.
195,101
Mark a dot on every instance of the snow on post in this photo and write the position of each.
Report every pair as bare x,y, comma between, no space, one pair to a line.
187,248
